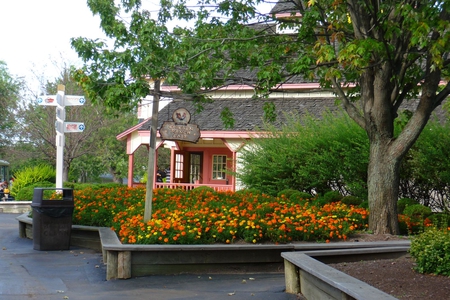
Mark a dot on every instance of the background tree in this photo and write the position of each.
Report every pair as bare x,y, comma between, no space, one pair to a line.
38,132
10,88
375,55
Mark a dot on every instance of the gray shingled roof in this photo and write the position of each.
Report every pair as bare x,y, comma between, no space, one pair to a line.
248,114
284,6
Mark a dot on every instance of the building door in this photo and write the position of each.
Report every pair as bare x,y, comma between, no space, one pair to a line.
195,168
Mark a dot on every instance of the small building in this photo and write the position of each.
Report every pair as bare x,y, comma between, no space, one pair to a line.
213,159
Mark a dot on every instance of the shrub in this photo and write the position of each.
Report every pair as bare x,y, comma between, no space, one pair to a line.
440,220
431,251
202,188
364,204
26,193
417,211
248,192
31,175
414,219
403,203
300,195
301,161
286,193
332,196
351,200
202,192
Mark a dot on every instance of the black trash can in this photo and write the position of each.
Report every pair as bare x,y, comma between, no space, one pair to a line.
52,219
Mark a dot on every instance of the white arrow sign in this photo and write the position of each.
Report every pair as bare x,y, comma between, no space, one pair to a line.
74,100
49,100
68,100
73,127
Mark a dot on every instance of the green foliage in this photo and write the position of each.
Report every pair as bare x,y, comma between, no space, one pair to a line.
417,211
31,175
286,193
93,186
431,252
414,219
9,95
202,188
351,200
300,155
403,203
332,196
364,204
425,171
440,220
26,193
300,195
245,192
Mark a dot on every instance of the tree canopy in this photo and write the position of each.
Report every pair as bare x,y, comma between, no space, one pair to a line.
10,88
374,55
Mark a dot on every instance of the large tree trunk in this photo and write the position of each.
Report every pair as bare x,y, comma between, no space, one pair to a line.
383,187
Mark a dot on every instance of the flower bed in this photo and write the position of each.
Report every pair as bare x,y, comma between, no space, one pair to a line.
206,217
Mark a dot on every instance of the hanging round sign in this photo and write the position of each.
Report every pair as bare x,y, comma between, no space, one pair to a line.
181,116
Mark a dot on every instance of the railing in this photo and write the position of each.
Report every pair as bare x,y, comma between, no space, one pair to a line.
188,186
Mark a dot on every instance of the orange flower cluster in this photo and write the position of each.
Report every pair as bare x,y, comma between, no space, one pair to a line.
202,217
409,225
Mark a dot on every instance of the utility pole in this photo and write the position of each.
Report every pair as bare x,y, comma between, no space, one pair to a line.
152,153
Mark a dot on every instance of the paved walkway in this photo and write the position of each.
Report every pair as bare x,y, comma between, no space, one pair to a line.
78,274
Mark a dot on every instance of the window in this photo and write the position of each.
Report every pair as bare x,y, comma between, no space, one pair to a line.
179,158
219,166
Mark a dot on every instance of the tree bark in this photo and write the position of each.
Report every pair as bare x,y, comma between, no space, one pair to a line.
383,187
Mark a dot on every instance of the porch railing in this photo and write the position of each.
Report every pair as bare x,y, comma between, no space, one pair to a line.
188,186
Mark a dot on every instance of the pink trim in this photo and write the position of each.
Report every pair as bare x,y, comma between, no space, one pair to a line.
122,135
187,186
130,169
286,86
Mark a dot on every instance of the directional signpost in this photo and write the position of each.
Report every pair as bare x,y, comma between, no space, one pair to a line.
61,101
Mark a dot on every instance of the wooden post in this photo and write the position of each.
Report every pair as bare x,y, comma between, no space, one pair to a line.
124,265
111,265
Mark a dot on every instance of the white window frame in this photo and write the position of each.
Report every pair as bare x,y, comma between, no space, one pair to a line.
219,166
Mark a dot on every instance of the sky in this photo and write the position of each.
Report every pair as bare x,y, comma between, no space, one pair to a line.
34,34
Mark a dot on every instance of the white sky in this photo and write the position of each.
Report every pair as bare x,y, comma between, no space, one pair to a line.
36,33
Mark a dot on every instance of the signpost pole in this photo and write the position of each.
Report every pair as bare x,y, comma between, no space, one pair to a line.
60,139
62,101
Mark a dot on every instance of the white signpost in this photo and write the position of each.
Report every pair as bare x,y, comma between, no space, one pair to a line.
61,101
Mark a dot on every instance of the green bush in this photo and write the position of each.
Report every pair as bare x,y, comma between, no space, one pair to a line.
80,186
202,191
440,220
31,175
248,192
364,204
351,200
286,193
403,203
301,195
307,154
417,211
332,196
26,193
431,252
427,165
